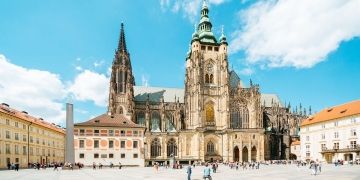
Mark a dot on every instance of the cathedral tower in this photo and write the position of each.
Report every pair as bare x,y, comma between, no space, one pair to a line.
206,81
121,94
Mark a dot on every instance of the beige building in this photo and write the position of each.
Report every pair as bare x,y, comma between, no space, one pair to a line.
332,134
25,139
109,139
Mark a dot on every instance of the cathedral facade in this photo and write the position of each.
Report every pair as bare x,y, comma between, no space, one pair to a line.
214,118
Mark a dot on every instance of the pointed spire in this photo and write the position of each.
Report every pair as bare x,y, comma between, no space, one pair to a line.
122,42
309,110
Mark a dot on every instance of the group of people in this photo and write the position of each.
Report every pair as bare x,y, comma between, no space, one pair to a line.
100,166
244,165
13,166
206,172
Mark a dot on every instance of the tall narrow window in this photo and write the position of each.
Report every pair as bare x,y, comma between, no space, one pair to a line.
155,148
207,79
210,148
171,148
140,118
211,79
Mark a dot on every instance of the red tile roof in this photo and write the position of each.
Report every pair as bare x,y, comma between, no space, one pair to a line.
105,120
31,119
336,112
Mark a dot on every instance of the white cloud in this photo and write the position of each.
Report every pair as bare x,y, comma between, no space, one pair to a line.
99,63
35,91
247,71
91,86
295,33
79,68
189,8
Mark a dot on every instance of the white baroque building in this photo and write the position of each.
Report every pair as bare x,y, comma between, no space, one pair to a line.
332,134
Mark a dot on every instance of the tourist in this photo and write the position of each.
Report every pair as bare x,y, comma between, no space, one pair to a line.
94,166
120,165
111,165
189,171
207,172
56,167
214,167
16,166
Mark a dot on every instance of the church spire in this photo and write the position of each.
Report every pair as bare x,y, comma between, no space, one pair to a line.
122,42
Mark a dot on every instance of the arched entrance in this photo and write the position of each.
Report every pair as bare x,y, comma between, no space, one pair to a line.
236,154
245,154
253,153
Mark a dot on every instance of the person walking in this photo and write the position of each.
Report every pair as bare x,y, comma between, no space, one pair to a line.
94,166
207,172
189,171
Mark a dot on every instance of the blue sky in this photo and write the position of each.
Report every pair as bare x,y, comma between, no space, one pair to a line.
65,48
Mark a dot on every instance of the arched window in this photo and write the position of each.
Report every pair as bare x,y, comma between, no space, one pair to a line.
207,79
140,118
244,115
211,79
120,110
155,121
209,110
171,148
235,119
170,126
155,148
120,81
210,148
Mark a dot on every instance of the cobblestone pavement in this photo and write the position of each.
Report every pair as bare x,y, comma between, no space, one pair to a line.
278,172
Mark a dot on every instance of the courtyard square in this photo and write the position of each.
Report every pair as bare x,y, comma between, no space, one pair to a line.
279,172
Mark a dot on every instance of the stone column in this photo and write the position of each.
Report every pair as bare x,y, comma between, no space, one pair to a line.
69,150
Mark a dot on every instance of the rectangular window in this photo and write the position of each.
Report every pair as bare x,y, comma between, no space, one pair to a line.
31,139
96,132
353,144
336,123
323,146
135,155
336,145
122,144
96,143
111,155
24,138
122,155
7,122
7,149
103,155
203,47
24,126
37,141
111,144
135,133
7,134
209,48
336,135
307,138
24,150
81,143
122,133
323,126
96,155
31,151
82,132
81,155
16,149
353,132
16,124
111,132
135,144
322,136
216,49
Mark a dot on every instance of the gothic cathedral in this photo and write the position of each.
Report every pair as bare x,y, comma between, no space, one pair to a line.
215,118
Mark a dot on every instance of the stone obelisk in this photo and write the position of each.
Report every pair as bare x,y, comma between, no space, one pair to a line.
69,147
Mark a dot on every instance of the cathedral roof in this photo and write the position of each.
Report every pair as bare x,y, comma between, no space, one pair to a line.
156,93
106,120
234,79
336,112
269,99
